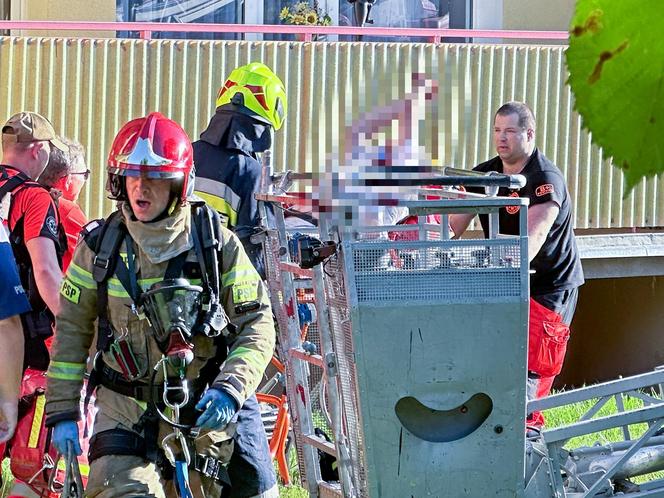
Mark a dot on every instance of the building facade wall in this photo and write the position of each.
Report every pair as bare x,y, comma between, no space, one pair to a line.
617,330
536,14
63,10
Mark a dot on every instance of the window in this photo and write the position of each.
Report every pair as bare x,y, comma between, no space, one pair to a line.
271,10
383,13
408,14
181,11
5,11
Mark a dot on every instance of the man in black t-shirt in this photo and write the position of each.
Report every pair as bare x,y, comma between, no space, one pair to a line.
552,249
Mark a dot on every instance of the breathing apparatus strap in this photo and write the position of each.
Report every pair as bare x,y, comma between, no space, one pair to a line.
175,266
104,240
127,274
208,239
106,246
207,244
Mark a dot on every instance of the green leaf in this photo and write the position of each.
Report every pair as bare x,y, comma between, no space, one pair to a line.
616,64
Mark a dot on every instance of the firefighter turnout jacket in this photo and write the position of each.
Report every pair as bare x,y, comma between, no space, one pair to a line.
250,345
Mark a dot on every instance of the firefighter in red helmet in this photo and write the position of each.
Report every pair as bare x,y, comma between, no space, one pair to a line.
184,329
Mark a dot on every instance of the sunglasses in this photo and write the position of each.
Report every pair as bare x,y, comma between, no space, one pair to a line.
86,174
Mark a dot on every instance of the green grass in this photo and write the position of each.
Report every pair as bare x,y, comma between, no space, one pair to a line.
293,492
569,414
7,479
566,415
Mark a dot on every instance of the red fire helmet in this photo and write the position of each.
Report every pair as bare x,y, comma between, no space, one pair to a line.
153,146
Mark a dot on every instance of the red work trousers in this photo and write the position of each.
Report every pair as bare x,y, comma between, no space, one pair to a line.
548,334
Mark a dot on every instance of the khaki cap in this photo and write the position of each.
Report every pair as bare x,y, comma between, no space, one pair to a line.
26,127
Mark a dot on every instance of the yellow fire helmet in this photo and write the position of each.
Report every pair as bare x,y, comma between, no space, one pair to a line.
259,92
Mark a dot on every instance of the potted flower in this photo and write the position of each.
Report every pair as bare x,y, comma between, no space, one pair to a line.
304,14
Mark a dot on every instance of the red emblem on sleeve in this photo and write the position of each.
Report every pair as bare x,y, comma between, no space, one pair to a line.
547,188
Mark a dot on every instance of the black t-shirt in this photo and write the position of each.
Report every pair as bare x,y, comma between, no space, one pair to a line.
557,265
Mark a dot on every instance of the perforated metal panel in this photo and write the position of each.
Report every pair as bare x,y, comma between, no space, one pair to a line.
436,272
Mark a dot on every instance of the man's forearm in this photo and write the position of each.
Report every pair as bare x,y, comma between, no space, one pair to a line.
11,358
459,223
535,243
48,274
540,221
48,284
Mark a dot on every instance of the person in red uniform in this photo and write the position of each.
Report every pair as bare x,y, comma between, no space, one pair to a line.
65,175
34,227
31,218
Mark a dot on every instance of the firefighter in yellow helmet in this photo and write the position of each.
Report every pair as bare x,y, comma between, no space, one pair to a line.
184,333
250,104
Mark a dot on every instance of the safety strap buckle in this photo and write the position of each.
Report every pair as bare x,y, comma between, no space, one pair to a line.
101,263
210,466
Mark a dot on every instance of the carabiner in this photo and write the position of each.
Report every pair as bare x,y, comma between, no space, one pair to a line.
178,438
184,389
72,487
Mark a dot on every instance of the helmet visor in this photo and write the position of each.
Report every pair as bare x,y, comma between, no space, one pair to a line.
143,160
146,171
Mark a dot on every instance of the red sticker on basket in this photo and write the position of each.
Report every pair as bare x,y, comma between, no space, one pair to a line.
290,308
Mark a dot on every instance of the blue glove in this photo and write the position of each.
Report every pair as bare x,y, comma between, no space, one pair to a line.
219,406
63,433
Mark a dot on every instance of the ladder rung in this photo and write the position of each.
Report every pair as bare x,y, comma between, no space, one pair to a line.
329,489
300,354
321,444
295,269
